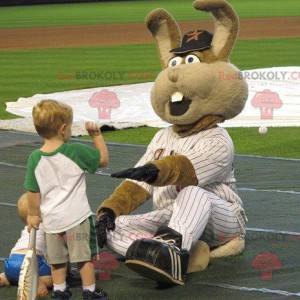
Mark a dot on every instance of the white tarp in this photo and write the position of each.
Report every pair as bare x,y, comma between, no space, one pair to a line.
274,100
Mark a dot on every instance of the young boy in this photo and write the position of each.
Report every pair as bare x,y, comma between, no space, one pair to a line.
56,188
12,265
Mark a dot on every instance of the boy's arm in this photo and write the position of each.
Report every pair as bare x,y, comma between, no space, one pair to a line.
34,214
101,146
95,133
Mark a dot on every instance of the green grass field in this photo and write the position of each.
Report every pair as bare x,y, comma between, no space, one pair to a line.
131,11
28,72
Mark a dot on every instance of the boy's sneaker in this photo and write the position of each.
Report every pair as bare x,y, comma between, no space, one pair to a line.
98,294
59,295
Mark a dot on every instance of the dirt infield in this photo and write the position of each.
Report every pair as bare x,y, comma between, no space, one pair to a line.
133,33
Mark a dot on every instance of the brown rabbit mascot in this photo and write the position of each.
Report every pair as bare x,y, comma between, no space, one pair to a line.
188,167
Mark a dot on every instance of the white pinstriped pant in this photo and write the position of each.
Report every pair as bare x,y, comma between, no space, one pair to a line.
196,214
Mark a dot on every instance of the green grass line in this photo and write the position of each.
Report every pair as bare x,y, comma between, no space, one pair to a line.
28,72
131,11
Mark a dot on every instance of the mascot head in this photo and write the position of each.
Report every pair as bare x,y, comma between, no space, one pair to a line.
197,80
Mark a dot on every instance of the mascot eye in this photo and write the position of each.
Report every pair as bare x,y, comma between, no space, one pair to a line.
175,61
192,59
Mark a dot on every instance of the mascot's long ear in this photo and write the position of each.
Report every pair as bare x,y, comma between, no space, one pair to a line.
166,32
226,26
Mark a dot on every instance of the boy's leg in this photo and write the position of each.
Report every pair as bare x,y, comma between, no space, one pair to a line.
81,241
82,248
87,274
59,273
57,257
133,227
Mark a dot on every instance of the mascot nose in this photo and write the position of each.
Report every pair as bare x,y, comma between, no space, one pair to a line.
173,75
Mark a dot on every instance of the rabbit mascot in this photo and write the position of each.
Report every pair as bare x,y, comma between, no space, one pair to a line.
188,167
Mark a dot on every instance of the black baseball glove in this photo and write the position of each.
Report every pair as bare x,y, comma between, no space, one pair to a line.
105,221
147,173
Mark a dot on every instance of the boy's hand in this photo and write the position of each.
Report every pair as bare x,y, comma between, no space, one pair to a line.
92,129
33,222
95,133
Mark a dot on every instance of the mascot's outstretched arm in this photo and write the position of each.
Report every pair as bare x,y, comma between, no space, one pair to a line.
171,170
127,197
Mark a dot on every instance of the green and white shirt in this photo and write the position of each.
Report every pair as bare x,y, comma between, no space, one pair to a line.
59,178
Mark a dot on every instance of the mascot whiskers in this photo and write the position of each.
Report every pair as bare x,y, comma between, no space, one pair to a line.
187,169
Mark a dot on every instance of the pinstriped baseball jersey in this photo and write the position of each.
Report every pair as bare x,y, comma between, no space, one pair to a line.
210,151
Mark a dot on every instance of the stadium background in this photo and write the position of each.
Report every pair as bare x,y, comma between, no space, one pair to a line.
43,47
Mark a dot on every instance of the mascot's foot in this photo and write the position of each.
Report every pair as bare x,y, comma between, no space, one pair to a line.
199,257
159,258
233,247
200,254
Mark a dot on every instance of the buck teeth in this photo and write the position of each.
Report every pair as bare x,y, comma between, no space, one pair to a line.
177,97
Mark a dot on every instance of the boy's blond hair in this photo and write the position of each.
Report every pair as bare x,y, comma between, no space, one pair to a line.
49,116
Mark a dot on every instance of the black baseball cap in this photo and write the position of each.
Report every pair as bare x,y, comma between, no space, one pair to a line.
195,40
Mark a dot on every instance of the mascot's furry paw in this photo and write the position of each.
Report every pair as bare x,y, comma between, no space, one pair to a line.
199,257
233,247
159,260
200,254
